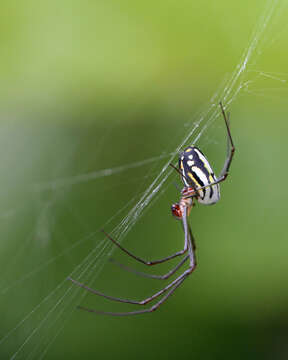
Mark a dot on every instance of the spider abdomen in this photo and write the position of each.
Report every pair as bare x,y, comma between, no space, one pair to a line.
197,173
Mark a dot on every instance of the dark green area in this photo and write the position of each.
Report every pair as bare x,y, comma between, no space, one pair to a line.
87,86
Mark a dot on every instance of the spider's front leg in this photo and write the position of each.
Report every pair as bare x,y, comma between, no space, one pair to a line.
145,262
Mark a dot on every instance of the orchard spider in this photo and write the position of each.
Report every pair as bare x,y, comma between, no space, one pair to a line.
200,183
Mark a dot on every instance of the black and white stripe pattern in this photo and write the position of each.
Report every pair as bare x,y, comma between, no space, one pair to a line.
197,172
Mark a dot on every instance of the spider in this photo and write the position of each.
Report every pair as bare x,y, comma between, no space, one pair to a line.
200,183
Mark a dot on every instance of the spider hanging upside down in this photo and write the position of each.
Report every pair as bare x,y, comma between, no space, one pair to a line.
201,184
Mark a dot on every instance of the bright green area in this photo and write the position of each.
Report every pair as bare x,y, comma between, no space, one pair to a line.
90,85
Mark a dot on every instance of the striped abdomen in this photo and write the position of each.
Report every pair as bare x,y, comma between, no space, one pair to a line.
197,172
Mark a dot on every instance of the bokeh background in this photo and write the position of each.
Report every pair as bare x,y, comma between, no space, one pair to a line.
117,85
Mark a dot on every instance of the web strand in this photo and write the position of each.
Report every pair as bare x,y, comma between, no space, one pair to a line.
65,296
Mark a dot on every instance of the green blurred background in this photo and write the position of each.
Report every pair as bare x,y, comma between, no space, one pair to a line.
87,86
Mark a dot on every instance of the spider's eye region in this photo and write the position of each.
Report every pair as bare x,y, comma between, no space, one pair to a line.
176,211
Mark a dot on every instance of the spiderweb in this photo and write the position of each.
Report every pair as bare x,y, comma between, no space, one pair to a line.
32,335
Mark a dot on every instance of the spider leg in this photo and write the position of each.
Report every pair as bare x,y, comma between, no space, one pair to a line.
137,312
149,263
220,179
230,153
179,172
129,301
173,285
134,302
230,146
152,276
225,170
